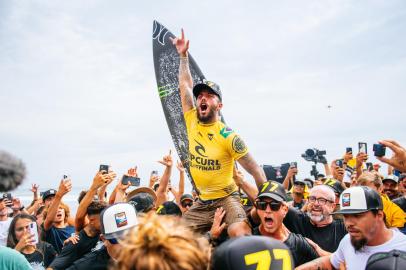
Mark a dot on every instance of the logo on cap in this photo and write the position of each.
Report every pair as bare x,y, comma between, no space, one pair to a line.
121,219
346,200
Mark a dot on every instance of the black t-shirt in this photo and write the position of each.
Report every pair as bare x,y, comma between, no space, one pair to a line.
42,257
95,260
401,202
72,252
327,237
302,251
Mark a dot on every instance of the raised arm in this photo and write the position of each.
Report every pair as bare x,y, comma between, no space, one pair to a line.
181,190
163,184
99,180
250,189
251,166
64,187
185,78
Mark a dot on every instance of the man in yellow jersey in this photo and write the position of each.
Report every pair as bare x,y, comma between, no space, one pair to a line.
213,149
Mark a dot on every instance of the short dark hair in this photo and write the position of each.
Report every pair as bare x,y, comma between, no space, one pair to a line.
82,194
95,208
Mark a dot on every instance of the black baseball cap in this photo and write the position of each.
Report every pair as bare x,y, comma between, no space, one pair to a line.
359,199
272,189
299,181
207,85
231,254
142,202
392,260
185,197
48,193
169,208
335,185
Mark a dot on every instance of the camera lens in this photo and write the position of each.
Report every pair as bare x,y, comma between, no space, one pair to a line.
310,152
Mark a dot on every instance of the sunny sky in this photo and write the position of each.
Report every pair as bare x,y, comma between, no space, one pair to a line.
78,88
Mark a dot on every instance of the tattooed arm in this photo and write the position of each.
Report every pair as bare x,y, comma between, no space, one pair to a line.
185,78
251,166
322,263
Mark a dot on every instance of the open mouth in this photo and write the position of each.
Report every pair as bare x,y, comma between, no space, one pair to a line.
58,215
268,221
203,107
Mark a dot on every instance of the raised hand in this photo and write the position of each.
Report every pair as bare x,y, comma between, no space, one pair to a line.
181,44
64,187
34,188
132,172
238,177
217,226
26,240
398,160
100,179
180,167
360,159
167,160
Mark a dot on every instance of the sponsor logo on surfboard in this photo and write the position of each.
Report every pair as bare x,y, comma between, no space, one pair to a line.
164,90
159,33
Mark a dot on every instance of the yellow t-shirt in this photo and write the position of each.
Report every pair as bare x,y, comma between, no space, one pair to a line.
394,215
213,148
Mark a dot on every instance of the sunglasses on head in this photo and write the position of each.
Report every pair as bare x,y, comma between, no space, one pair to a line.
262,205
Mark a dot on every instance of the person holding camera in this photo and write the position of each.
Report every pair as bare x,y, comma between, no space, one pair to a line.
213,149
4,221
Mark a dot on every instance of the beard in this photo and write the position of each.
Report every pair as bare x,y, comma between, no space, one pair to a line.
316,218
208,118
358,244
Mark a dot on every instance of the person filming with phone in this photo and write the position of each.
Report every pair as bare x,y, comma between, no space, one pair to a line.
23,237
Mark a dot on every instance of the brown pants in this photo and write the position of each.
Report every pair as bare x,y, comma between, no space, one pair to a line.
200,216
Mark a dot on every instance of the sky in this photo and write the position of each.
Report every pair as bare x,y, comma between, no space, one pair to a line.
78,89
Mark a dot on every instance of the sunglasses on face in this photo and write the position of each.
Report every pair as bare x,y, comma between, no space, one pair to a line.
187,204
113,241
262,205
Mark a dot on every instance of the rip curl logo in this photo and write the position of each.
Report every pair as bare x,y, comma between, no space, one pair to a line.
346,200
159,32
121,219
199,148
239,145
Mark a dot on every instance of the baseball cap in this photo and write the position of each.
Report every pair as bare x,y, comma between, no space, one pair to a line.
392,260
48,193
169,208
116,219
233,253
139,190
359,199
299,181
392,177
207,85
185,197
142,202
272,189
335,185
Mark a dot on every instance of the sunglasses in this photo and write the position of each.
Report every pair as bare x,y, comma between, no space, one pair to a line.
262,205
187,204
113,241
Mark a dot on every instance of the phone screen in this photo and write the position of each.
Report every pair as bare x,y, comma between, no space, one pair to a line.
362,147
34,231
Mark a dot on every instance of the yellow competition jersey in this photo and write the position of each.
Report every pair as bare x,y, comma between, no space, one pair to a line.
213,148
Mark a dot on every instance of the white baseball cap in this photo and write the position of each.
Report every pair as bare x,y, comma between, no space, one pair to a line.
359,199
116,219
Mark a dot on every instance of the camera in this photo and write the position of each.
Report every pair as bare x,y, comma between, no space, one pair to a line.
379,150
314,155
104,168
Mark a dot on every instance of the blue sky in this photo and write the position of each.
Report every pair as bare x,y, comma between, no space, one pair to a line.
78,88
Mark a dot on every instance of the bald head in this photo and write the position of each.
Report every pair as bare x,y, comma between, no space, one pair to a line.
323,191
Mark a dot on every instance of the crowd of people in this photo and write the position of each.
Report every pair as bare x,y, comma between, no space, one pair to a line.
227,221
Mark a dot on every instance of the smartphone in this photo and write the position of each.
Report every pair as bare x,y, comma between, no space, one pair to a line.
293,164
339,163
104,168
362,147
370,166
153,173
34,231
379,150
65,176
7,196
134,181
348,150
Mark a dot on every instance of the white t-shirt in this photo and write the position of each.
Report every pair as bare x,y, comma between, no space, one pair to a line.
4,225
346,252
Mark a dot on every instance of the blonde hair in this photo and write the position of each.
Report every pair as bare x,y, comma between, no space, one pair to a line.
162,242
61,205
370,177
